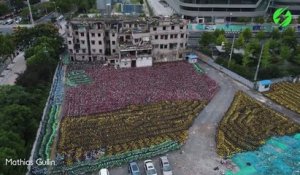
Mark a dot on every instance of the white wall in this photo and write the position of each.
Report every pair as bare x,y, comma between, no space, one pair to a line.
261,88
144,62
125,63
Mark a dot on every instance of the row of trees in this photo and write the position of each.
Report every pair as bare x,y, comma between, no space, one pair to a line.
75,5
280,54
21,105
7,48
13,5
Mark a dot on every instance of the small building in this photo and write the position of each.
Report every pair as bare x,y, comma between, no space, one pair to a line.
264,85
191,58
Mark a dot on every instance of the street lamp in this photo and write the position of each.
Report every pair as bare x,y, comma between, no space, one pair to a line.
231,51
30,13
258,64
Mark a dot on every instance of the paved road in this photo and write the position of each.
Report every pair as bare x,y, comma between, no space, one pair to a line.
160,9
10,75
8,29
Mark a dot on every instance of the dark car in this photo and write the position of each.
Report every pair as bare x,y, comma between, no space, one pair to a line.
133,169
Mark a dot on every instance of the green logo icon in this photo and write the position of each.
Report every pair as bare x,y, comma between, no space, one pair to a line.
282,17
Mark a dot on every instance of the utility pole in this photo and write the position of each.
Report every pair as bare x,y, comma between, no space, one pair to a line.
231,52
30,13
258,64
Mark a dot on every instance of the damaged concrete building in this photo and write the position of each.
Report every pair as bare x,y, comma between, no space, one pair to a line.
127,41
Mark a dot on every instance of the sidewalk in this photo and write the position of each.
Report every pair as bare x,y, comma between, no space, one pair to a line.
18,66
226,71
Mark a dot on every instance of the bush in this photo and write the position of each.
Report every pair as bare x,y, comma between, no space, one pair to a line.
270,72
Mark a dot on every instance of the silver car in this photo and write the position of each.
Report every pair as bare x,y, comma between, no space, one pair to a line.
149,167
165,166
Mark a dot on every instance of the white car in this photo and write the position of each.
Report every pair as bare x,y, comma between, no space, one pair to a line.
18,20
104,171
149,167
165,166
9,21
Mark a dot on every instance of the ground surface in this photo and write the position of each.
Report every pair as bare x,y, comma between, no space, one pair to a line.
248,124
96,109
11,74
112,89
198,156
286,94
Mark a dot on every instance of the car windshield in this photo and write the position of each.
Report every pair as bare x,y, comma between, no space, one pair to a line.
151,171
167,167
134,168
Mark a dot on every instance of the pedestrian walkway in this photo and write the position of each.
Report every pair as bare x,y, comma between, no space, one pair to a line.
10,75
231,74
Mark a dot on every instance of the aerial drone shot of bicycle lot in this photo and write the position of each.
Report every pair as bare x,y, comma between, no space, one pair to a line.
140,87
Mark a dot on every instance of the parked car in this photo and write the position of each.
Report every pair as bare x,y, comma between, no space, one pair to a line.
18,20
104,171
133,169
9,21
149,167
165,166
60,18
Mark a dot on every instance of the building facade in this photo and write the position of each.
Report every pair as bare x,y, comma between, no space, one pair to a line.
220,8
293,5
127,41
231,8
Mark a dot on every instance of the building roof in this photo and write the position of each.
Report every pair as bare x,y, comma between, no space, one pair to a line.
265,82
192,56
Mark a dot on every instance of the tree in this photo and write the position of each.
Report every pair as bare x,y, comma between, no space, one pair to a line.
254,47
247,34
7,46
3,9
10,153
285,52
266,56
296,58
260,35
142,2
221,39
13,95
17,4
206,39
240,42
218,32
246,57
298,19
40,68
275,34
289,38
18,119
25,37
259,20
77,5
